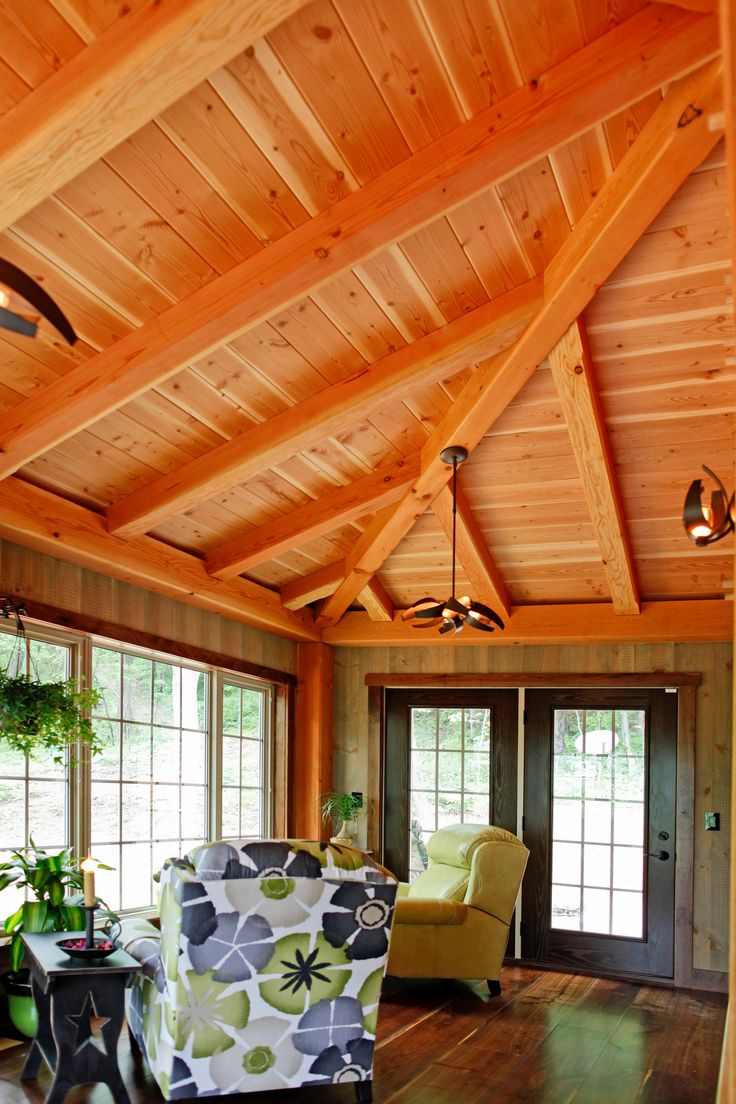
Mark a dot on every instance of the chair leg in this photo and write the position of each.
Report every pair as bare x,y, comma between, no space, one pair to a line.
494,988
364,1091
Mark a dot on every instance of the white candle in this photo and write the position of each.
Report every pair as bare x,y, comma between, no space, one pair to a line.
88,867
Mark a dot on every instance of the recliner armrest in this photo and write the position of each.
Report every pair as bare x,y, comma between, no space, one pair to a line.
429,910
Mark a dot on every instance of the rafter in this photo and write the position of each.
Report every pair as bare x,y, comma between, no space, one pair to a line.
147,60
41,520
486,581
438,355
617,69
572,371
672,143
314,519
376,602
313,587
565,624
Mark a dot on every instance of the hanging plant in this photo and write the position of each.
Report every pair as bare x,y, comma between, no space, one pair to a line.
41,717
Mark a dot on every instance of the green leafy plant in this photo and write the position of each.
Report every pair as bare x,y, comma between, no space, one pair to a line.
40,717
49,877
340,806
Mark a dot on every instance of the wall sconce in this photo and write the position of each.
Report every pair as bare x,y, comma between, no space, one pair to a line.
706,524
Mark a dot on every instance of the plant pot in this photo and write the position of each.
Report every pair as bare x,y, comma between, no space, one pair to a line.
344,836
21,1005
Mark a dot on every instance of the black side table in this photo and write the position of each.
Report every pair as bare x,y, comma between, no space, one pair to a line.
67,993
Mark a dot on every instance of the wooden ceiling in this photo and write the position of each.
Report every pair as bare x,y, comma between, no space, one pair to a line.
306,246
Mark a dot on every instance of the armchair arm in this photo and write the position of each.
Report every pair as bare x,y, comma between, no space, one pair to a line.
429,910
142,941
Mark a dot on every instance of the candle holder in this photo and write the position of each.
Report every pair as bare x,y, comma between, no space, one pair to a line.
89,927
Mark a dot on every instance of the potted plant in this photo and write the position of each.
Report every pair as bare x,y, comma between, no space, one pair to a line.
38,717
342,807
50,877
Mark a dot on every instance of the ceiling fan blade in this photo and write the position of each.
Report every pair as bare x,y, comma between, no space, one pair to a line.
478,611
425,607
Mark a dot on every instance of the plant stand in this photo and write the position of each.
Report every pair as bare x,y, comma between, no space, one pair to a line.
68,994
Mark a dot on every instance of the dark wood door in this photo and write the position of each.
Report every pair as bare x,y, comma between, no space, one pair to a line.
599,820
449,756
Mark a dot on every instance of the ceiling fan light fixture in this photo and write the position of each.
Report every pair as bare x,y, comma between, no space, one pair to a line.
454,613
706,523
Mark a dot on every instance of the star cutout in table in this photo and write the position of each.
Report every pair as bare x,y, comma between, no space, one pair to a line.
90,1024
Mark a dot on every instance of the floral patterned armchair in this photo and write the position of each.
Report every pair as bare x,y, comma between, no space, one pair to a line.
267,970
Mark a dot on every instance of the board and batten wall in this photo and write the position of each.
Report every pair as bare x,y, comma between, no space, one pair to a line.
43,579
357,759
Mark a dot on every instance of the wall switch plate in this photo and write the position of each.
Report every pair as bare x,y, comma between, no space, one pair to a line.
359,798
712,822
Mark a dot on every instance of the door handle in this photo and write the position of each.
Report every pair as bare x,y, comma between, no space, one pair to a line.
661,855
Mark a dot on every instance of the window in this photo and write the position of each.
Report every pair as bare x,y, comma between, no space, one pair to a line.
186,758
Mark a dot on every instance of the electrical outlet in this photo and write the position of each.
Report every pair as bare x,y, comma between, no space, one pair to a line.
359,797
712,822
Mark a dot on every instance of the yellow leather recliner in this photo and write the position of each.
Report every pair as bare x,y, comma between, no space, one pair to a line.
453,920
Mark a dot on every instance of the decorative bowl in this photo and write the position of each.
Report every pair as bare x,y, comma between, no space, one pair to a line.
76,948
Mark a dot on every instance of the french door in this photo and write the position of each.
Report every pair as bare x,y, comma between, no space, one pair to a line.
450,756
599,821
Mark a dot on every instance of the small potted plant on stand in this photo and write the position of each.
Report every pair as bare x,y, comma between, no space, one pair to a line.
343,807
49,877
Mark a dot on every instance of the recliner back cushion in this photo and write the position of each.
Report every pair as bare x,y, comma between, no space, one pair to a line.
440,880
496,874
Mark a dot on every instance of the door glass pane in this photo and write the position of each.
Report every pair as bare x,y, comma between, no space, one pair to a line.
450,771
598,792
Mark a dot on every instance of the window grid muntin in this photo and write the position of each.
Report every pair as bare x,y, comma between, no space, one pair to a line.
416,865
615,892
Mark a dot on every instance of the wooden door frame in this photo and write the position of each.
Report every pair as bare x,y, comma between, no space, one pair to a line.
686,683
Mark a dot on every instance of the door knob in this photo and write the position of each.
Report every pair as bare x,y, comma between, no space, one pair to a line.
661,855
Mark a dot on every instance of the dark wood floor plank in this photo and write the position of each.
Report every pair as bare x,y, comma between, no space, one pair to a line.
550,1038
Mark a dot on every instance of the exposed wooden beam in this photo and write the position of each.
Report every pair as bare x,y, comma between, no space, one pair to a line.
614,71
314,519
673,142
311,773
41,520
658,622
148,59
486,581
438,355
572,371
312,587
376,601
707,6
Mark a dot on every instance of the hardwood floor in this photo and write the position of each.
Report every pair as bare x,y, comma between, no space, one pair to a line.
550,1038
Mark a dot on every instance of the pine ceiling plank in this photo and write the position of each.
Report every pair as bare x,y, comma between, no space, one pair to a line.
327,412
437,257
573,373
615,70
37,41
270,107
581,168
376,601
474,45
142,64
317,51
397,50
152,164
644,181
90,18
207,133
658,622
486,581
536,212
490,243
542,33
61,529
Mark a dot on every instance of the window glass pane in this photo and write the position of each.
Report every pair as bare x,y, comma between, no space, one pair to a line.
245,759
606,777
450,773
33,789
155,766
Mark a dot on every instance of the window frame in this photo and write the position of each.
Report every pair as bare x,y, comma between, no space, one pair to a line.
78,774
